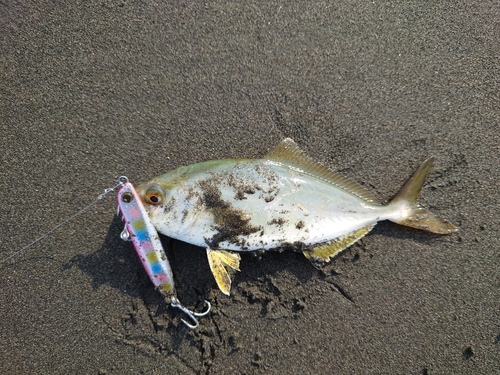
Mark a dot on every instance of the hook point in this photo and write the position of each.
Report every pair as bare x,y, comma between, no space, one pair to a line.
191,314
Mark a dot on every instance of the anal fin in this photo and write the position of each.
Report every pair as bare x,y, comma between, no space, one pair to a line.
222,264
323,253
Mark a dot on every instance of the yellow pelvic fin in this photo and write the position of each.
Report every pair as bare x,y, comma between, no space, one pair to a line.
222,264
418,217
324,252
289,154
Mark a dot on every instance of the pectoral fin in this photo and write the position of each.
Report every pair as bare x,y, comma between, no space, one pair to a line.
324,252
223,264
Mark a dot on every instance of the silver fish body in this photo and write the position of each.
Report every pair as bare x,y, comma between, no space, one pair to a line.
282,200
247,205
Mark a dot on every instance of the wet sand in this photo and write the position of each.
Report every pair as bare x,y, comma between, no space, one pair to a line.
94,90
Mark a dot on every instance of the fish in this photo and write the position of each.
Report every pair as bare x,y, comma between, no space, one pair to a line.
283,201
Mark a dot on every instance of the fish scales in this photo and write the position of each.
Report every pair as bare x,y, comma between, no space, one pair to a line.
252,205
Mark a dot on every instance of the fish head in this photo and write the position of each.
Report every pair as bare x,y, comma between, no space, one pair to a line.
154,196
165,201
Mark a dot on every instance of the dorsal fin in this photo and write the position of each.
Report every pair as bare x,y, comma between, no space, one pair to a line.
289,154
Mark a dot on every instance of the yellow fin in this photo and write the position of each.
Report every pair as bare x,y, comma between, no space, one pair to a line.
222,264
288,153
416,216
324,252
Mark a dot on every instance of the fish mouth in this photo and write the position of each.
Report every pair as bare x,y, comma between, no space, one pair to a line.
141,190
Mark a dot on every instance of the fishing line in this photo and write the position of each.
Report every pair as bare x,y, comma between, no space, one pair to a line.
121,180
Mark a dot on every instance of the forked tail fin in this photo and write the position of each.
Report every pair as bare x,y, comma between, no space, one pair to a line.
411,214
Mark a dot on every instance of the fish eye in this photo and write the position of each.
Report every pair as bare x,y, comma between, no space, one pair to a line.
127,197
154,195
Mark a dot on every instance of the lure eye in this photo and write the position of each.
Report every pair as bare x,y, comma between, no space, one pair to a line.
154,195
127,197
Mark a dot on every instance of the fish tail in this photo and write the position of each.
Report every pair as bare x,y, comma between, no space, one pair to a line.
407,210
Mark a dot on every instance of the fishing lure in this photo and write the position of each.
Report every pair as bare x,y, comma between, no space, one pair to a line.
283,201
142,233
139,230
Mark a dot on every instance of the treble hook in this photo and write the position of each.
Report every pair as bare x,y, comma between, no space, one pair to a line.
176,303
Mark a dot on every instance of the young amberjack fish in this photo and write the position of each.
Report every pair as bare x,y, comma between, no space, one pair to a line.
283,201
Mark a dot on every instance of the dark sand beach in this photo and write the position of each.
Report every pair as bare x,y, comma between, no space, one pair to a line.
91,90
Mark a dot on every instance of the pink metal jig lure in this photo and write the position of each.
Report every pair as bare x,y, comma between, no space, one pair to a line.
140,230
